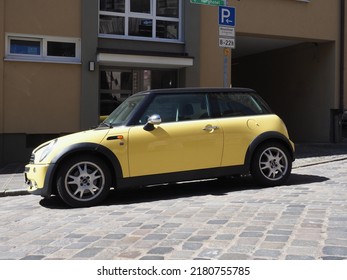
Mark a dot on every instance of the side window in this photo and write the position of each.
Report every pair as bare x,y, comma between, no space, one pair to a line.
178,107
238,104
43,48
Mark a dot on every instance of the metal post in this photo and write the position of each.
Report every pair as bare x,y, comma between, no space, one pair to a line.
225,66
342,54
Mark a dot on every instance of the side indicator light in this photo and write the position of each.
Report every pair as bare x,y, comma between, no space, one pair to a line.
117,137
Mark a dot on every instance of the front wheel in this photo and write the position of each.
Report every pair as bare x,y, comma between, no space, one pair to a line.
271,164
83,181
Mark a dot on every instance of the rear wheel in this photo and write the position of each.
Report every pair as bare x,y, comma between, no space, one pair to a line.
83,181
271,164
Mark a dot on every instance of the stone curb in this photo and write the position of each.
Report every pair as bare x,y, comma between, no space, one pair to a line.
13,193
322,161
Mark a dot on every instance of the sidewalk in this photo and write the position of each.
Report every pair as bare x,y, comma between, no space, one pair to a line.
12,178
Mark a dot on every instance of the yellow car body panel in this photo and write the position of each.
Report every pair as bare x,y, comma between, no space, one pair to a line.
175,147
239,133
88,136
117,141
35,174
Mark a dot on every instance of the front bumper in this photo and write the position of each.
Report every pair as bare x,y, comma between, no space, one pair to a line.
35,178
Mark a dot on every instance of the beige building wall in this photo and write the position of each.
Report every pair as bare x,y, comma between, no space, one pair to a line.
2,52
316,20
44,17
36,97
345,62
41,97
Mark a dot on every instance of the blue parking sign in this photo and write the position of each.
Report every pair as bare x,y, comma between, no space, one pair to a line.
227,16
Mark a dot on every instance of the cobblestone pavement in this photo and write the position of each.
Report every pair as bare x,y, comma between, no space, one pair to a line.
217,219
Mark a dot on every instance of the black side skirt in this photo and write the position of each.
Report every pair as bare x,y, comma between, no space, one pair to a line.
181,176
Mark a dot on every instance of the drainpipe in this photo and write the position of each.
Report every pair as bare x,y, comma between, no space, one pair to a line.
336,114
342,55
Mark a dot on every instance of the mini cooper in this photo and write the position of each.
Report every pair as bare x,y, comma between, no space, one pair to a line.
165,136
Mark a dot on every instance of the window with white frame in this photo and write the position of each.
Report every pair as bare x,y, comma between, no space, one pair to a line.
43,48
150,19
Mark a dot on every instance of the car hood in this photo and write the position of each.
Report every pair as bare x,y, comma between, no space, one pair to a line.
44,153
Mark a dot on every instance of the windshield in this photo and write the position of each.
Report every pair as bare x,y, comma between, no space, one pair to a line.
121,115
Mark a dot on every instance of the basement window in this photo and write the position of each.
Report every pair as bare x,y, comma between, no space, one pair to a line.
61,49
25,47
43,48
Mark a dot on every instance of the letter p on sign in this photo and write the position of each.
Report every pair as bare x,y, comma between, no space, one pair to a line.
227,16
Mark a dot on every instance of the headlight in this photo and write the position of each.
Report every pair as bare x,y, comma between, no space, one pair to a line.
47,149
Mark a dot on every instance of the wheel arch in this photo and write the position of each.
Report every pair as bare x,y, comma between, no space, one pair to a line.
77,149
271,136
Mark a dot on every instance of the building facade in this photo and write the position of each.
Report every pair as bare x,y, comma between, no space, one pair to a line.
68,63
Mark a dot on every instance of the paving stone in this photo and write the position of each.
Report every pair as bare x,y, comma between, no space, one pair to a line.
150,226
74,235
114,236
88,253
251,234
334,258
171,225
235,256
152,258
217,222
255,228
155,237
276,238
274,254
226,237
33,257
89,239
305,243
77,245
210,253
160,250
298,257
198,238
192,246
335,251
272,245
130,254
279,232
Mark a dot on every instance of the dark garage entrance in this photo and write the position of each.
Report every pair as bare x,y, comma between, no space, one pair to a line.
296,78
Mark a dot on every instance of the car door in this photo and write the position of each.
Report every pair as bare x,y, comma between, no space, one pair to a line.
187,139
241,121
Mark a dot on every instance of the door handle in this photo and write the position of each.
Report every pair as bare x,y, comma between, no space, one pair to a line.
210,128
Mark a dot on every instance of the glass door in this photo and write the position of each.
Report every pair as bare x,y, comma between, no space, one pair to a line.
118,84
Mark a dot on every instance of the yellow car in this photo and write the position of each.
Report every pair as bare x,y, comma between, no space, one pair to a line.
163,136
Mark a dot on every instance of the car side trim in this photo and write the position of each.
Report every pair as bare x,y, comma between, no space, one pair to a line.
182,176
267,136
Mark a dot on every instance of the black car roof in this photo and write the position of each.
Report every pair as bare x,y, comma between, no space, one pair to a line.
197,90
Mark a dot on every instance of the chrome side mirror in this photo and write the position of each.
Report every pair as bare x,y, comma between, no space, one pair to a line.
151,122
154,120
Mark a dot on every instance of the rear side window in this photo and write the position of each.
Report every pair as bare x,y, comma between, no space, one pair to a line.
239,104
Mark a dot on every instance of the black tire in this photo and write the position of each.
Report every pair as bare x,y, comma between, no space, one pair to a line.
83,181
271,164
